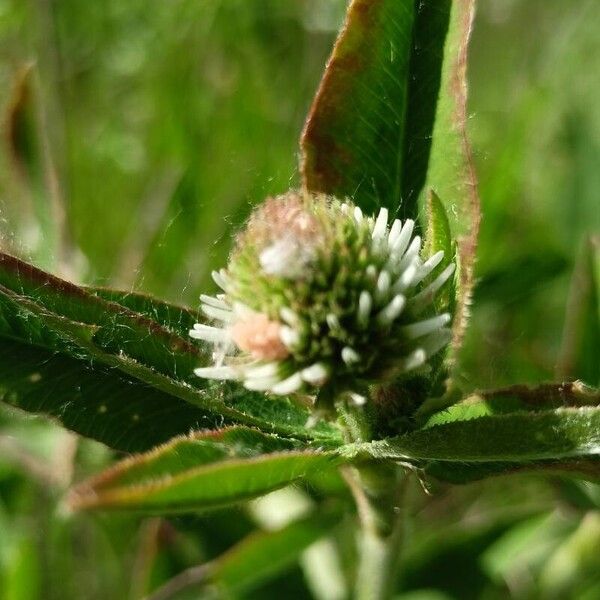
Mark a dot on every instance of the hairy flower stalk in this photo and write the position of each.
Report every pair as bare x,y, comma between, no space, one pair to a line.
318,297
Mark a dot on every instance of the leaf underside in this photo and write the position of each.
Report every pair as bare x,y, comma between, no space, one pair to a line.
459,473
451,173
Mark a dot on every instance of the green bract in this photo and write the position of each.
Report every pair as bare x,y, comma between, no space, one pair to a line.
318,296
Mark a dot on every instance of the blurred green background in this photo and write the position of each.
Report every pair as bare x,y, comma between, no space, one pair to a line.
136,135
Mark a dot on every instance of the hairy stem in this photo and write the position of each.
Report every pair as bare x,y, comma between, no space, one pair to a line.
378,491
378,564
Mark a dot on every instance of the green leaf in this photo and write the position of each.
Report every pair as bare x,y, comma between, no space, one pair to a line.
97,401
575,560
25,321
550,440
202,471
177,319
447,554
274,414
438,237
451,172
56,316
525,546
119,330
390,119
368,134
265,554
256,559
552,435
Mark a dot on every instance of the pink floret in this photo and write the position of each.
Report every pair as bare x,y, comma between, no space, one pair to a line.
260,337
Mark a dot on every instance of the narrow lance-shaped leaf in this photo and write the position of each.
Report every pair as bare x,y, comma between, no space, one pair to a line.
556,434
174,318
119,330
202,471
22,319
510,400
451,172
438,238
469,446
266,554
368,134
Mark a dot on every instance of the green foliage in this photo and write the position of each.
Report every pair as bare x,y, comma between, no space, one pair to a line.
368,134
96,402
208,470
562,433
138,143
126,348
199,472
438,236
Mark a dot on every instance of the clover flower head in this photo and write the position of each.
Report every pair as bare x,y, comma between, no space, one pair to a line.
316,294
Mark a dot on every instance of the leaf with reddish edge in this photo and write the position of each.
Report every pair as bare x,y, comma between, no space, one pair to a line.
202,471
175,318
529,401
451,172
120,330
187,451
517,398
389,120
53,315
368,134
